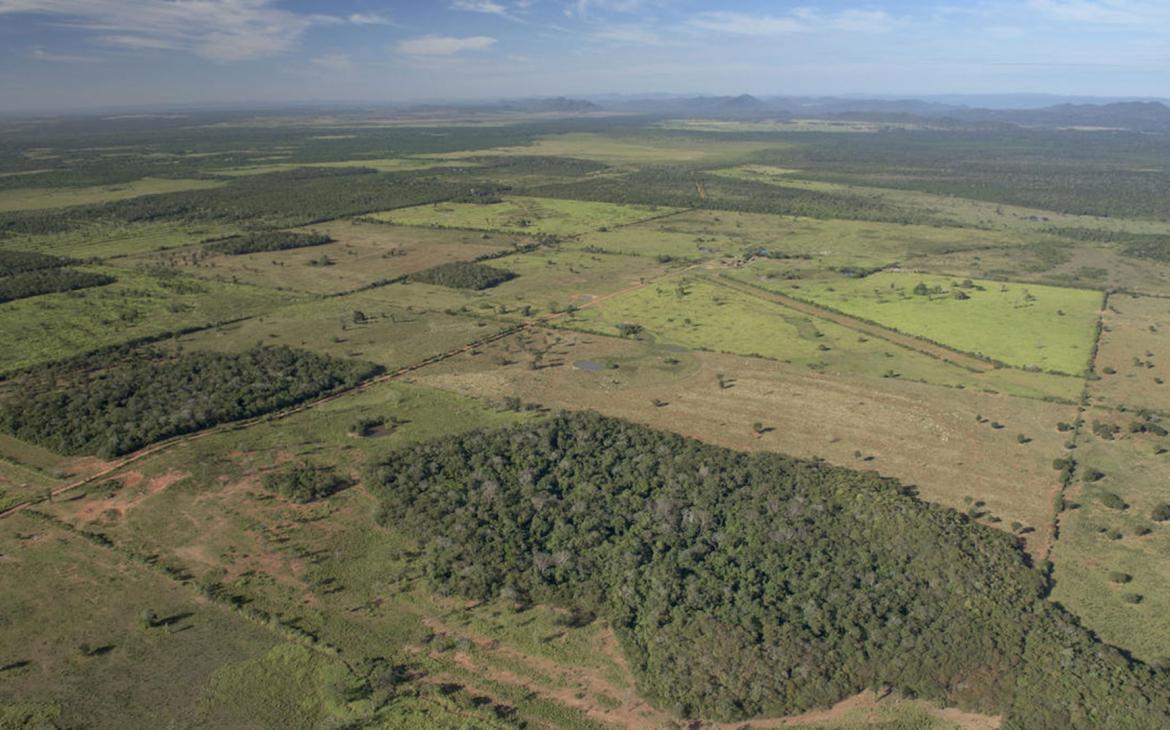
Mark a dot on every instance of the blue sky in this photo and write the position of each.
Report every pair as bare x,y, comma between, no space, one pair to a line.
58,54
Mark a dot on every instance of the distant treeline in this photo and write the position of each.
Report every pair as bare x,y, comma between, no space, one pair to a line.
745,585
687,188
265,241
116,402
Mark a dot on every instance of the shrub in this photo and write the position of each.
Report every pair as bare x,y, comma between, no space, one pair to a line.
303,482
1113,501
1119,577
1161,512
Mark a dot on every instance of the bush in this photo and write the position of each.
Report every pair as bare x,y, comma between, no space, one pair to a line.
1119,577
266,241
303,483
1161,512
1113,501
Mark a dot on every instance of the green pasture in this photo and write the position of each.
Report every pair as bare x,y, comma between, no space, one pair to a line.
1025,325
696,313
55,326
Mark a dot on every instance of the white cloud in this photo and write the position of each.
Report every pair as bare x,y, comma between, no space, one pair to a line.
627,34
800,20
1112,12
444,45
369,19
480,6
222,30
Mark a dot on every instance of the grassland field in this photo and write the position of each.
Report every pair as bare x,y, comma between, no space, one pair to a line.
1030,326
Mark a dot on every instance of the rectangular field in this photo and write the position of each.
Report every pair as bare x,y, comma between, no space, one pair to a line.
43,198
526,216
1024,325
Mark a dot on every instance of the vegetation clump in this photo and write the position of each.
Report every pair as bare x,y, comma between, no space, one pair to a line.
49,281
115,403
742,585
303,483
266,241
464,275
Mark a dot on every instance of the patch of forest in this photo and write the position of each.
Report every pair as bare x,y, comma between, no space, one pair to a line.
265,241
463,275
49,281
115,402
743,585
18,262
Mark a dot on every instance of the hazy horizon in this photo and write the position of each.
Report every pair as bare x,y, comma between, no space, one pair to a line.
89,54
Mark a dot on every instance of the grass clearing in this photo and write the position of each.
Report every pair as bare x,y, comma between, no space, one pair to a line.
362,254
389,164
390,334
826,244
643,148
526,216
1097,541
1024,325
43,198
1133,358
697,313
55,326
108,240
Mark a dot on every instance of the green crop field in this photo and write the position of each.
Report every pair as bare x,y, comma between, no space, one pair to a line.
107,240
525,216
1029,325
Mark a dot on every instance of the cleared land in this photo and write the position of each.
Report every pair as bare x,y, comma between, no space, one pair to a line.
362,254
805,243
137,305
1107,572
617,150
43,198
698,313
524,215
1133,360
1031,326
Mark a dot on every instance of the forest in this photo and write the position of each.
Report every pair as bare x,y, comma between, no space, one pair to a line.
48,281
745,585
463,275
116,403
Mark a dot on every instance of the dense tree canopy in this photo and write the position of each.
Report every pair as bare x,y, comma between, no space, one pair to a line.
463,275
743,585
114,407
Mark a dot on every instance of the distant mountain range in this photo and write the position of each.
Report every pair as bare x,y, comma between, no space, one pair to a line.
1141,116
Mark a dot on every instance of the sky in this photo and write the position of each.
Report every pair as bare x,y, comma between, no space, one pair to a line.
76,54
